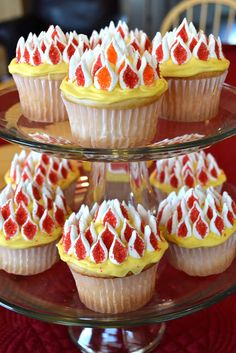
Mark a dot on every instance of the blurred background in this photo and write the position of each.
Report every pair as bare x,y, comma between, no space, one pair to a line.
19,17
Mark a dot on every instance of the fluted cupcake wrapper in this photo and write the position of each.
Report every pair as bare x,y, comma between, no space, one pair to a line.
113,128
40,98
28,261
116,295
192,99
203,261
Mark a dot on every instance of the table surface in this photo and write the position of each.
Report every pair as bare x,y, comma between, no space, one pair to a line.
209,331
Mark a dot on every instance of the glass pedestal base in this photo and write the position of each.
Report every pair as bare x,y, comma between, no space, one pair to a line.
124,181
116,340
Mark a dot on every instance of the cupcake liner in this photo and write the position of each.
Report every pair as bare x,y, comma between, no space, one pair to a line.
192,99
40,98
203,261
116,295
28,261
69,194
113,128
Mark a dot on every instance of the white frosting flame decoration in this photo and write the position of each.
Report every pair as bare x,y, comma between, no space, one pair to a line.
105,78
180,53
36,169
82,75
147,73
115,62
187,169
50,47
109,234
206,211
160,48
24,209
183,43
129,77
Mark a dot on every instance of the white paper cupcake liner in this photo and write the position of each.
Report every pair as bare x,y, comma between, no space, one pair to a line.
113,128
28,261
116,295
192,99
40,98
203,261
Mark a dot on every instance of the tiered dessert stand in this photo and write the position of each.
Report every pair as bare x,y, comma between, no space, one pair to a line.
51,296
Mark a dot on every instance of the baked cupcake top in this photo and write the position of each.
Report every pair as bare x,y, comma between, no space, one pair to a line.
48,53
42,168
192,169
31,216
197,218
112,239
114,72
185,52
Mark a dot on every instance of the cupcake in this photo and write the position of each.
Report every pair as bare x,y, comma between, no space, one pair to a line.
44,169
31,223
200,227
113,94
113,251
189,170
38,69
195,68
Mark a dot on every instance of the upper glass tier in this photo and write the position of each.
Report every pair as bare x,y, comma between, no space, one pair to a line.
171,137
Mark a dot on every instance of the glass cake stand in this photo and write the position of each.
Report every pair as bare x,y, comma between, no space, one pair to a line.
51,296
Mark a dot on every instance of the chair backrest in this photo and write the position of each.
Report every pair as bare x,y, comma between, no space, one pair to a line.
202,12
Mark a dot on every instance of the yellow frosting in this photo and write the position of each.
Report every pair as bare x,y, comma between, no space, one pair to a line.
92,96
41,238
193,67
19,242
39,70
167,188
210,240
108,269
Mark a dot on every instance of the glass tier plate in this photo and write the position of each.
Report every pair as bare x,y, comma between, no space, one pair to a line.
52,296
171,137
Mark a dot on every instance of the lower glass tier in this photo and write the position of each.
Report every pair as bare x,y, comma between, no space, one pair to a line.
51,296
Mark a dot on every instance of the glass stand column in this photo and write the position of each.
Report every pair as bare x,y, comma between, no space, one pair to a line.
117,340
124,181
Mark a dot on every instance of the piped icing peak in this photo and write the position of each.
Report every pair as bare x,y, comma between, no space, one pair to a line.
196,217
198,168
111,234
135,40
184,42
41,168
193,52
113,64
51,47
31,215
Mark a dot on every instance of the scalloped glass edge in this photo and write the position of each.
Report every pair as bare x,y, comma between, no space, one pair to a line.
114,322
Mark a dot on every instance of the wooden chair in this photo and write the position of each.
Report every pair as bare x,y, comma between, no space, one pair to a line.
186,9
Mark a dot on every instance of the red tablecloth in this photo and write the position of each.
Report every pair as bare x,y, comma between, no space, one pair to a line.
209,331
